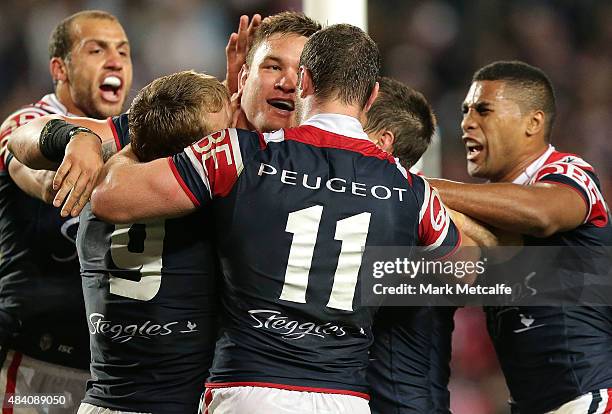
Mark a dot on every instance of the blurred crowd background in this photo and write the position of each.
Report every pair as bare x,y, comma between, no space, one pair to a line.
432,45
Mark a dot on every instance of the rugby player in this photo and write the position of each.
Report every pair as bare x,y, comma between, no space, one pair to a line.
409,359
150,287
293,210
555,359
265,95
43,335
124,377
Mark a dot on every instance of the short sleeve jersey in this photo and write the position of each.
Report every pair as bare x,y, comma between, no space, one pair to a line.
39,270
151,306
295,209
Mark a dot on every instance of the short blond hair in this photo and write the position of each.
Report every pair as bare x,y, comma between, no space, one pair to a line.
169,113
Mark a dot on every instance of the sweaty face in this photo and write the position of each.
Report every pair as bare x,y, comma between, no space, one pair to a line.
268,92
492,130
99,68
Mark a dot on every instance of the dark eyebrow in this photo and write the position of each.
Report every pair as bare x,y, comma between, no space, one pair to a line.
272,57
104,43
482,106
479,106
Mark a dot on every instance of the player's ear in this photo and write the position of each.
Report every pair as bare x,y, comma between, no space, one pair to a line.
57,67
386,141
305,82
372,98
536,123
242,77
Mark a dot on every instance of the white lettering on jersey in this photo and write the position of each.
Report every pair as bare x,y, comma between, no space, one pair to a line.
334,184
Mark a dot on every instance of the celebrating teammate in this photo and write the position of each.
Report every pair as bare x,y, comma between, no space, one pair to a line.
41,312
116,367
267,79
293,210
150,287
409,359
555,359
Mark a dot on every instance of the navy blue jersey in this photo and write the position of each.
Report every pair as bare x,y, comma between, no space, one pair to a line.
409,360
551,355
151,308
41,305
294,210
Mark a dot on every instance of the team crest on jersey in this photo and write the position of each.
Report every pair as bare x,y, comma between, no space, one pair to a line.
434,220
438,214
46,342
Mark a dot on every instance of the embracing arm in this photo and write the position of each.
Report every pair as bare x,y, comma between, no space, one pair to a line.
129,191
79,168
24,142
35,183
539,210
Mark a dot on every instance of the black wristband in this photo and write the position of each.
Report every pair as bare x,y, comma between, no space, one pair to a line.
55,136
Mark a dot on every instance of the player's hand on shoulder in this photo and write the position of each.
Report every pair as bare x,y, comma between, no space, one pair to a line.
78,173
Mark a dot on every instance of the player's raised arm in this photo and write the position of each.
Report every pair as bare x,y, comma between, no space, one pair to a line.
130,191
237,48
539,210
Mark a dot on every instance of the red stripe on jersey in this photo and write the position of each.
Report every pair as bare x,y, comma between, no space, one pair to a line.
286,387
182,183
567,157
215,152
435,220
262,141
608,409
407,173
307,134
207,400
111,124
18,119
14,121
11,382
47,106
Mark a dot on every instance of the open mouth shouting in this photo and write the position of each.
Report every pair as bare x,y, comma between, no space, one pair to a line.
110,88
473,148
284,106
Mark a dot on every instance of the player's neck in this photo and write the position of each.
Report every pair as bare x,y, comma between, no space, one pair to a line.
62,91
522,164
331,107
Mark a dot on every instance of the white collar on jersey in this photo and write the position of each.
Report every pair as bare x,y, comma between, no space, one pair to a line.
338,124
52,101
526,175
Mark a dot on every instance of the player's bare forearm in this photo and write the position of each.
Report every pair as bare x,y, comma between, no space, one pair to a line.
538,210
35,183
24,141
23,144
129,191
